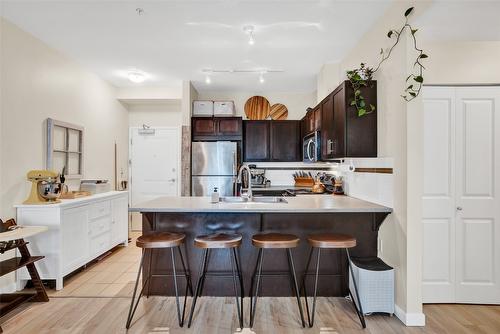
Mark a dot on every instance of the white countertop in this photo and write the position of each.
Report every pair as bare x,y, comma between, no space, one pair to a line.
68,202
298,204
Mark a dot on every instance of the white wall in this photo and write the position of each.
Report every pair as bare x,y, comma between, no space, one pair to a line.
462,62
296,103
43,83
165,113
327,80
400,139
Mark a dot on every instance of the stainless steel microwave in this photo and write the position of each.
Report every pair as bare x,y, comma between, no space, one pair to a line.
312,147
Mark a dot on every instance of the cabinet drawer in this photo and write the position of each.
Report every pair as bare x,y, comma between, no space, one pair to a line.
100,244
99,209
99,226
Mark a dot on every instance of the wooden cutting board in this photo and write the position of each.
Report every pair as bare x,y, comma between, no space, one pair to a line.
257,108
279,111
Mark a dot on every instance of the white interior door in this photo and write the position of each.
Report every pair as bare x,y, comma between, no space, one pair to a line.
461,207
438,212
154,165
478,188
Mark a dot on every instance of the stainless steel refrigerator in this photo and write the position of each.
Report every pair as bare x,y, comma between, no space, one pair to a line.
214,164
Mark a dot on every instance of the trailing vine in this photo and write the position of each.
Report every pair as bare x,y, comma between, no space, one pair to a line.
362,76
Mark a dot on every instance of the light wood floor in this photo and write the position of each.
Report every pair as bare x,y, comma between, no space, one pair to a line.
96,300
218,315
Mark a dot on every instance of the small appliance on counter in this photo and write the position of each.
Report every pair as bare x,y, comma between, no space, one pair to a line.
45,187
338,187
95,186
258,179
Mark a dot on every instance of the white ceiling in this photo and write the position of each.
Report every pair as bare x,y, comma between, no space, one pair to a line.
461,20
174,40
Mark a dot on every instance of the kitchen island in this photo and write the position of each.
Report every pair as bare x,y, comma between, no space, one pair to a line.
300,215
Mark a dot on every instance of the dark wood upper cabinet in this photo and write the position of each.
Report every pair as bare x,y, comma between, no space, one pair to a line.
326,107
216,128
285,141
256,141
271,141
343,133
317,116
308,123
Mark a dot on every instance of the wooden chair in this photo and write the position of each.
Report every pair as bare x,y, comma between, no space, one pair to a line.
12,300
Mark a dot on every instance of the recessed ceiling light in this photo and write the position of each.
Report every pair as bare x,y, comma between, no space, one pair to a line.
261,77
208,80
249,31
136,76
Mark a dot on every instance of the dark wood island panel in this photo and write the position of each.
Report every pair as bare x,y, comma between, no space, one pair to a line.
333,281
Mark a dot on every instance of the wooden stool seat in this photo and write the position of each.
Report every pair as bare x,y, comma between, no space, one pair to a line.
218,240
160,240
331,240
275,240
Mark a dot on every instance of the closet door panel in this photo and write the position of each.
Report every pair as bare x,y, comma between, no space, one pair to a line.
438,271
477,195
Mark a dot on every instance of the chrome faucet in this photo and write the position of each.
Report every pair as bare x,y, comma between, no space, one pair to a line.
248,193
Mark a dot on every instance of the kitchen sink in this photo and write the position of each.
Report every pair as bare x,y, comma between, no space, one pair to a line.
254,200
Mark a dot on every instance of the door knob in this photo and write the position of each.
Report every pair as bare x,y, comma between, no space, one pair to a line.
459,208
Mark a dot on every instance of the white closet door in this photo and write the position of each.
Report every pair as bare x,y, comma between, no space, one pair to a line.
478,195
438,211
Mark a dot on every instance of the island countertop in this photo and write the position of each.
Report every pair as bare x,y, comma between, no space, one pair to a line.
298,204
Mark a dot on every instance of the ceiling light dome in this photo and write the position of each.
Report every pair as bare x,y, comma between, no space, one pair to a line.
136,76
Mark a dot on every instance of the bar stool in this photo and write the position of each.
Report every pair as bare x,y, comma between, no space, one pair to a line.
330,241
229,241
273,241
148,243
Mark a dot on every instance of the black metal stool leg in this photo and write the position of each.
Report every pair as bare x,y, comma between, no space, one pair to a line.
311,323
179,318
149,272
189,288
303,287
253,300
187,274
234,270
295,285
359,311
130,313
240,275
202,272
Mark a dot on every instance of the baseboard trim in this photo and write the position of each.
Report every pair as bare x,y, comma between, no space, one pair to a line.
409,319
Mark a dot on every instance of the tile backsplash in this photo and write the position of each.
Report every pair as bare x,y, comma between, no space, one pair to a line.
372,182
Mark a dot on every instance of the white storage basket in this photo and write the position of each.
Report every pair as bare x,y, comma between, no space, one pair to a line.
375,280
203,108
224,108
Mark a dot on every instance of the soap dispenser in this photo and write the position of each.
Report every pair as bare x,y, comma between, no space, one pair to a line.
215,196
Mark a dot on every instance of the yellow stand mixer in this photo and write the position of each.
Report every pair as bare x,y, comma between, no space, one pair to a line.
45,188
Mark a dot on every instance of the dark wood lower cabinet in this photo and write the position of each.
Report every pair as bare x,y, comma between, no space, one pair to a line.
332,282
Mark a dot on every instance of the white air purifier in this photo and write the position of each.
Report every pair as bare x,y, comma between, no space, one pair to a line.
375,280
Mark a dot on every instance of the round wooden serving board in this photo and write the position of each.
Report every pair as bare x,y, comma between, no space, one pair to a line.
257,108
279,112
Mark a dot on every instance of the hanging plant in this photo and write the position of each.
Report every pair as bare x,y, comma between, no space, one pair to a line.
362,76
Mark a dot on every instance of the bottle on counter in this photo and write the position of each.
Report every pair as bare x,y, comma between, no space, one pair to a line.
215,196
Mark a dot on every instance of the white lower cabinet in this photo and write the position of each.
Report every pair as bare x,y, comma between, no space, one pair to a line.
80,230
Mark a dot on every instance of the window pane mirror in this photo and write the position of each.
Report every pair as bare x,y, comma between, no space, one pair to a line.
65,148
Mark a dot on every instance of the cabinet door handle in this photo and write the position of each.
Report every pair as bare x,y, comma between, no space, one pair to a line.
329,146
